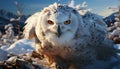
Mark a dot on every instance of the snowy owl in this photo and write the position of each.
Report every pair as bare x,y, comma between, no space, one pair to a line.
68,39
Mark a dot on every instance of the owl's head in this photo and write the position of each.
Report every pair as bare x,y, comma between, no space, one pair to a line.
59,22
56,23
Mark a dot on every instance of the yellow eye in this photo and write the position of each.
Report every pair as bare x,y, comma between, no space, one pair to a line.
50,22
67,22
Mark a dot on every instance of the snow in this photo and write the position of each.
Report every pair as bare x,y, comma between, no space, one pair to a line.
117,46
8,37
9,25
117,24
22,46
3,55
116,31
11,59
71,4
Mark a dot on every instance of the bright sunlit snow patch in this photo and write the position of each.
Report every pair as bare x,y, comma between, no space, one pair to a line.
117,46
22,46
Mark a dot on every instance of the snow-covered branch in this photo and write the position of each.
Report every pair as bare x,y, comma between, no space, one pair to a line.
17,20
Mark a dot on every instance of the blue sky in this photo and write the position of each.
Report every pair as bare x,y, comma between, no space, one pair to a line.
32,6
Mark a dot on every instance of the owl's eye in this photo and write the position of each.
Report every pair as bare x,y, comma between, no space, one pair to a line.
67,22
50,22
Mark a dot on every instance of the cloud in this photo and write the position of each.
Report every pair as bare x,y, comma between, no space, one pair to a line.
107,12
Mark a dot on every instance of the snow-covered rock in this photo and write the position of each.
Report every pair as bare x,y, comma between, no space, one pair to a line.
116,31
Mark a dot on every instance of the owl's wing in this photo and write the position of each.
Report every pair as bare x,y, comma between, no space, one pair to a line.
95,21
29,29
96,26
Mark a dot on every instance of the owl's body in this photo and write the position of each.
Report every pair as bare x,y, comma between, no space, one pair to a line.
63,35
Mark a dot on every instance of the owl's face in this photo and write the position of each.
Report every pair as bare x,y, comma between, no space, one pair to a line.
59,26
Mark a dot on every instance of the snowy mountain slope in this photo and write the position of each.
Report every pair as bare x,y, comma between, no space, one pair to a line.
5,17
109,20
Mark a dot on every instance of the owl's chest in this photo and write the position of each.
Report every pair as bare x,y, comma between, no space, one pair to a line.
67,51
56,48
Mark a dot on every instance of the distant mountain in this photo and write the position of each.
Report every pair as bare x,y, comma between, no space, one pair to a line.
110,19
5,17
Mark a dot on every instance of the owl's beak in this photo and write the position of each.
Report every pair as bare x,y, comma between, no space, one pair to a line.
59,32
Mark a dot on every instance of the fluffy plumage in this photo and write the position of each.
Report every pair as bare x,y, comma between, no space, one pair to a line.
64,36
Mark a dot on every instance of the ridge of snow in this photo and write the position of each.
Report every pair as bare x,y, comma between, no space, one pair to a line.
22,46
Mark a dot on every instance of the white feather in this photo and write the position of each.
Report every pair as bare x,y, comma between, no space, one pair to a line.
30,25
